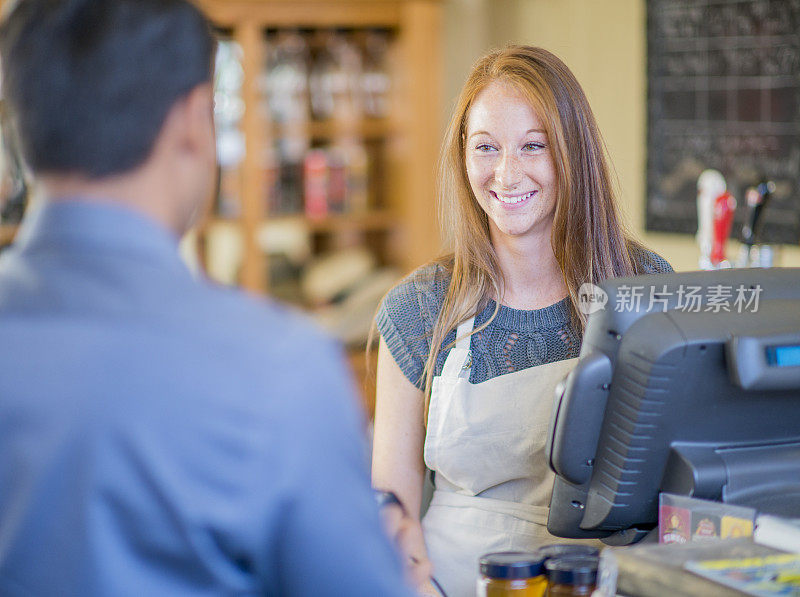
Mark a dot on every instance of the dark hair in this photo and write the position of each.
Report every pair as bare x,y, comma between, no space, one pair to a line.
90,82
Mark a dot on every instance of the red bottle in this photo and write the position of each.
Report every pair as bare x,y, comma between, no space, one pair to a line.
724,206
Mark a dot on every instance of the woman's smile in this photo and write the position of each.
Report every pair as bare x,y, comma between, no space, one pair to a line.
513,200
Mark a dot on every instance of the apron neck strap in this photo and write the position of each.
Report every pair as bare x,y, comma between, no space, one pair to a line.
463,333
458,360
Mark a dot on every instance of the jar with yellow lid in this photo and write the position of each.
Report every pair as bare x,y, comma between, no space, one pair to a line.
512,574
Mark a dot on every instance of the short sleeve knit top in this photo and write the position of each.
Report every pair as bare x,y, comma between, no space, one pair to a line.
514,340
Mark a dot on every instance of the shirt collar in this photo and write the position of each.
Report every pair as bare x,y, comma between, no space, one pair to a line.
94,225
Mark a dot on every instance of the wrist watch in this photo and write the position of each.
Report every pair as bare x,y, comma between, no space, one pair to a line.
387,498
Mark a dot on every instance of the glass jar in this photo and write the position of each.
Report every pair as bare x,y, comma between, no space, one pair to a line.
512,574
568,576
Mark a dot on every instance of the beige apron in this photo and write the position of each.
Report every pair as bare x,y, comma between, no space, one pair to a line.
485,442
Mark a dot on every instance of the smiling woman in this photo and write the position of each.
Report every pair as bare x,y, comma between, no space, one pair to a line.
473,345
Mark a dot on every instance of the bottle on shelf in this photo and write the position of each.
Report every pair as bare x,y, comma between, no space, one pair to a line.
335,179
356,167
228,113
286,194
323,78
316,181
375,79
286,77
285,87
334,81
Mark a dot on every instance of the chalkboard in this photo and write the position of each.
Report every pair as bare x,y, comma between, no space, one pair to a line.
723,93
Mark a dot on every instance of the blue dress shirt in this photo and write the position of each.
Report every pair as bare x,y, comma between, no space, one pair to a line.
163,436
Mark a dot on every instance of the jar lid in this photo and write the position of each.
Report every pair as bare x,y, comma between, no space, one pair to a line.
511,564
557,550
572,570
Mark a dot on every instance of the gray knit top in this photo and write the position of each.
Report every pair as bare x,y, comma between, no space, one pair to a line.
515,340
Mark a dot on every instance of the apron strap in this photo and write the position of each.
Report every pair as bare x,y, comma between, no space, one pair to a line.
463,331
458,360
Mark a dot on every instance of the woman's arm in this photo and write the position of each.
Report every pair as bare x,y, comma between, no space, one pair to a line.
397,463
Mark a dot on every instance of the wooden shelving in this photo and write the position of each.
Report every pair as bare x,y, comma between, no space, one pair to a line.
407,139
377,220
306,13
374,220
367,129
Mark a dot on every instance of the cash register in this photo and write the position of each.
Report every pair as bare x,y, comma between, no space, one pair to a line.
687,383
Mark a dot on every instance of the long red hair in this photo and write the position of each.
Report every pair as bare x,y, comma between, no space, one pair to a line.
588,238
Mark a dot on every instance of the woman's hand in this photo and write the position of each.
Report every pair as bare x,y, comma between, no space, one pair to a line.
406,533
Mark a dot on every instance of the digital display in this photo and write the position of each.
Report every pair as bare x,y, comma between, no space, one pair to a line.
783,356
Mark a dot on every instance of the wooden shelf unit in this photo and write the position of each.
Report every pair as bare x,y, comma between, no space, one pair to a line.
409,137
368,129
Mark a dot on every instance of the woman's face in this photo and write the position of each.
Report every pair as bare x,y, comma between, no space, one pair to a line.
509,164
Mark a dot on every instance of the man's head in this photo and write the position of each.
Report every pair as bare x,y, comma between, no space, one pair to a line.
93,83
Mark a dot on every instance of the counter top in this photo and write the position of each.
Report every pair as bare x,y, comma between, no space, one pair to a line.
656,570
